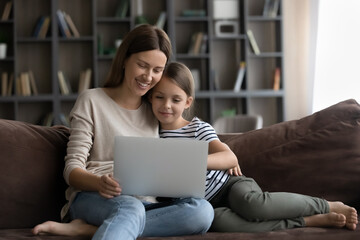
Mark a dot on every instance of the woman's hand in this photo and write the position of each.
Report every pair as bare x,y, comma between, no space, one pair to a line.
235,171
109,187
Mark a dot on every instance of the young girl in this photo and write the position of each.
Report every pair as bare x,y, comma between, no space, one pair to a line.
240,205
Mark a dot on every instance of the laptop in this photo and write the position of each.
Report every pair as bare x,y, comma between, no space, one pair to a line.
160,167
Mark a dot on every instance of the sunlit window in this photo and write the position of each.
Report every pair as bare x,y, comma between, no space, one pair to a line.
337,64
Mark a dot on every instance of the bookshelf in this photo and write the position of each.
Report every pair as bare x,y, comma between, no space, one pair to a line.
102,25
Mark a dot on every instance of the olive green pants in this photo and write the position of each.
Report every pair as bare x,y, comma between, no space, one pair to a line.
241,206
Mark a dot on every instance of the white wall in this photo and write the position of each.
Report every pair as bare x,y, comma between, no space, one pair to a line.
299,25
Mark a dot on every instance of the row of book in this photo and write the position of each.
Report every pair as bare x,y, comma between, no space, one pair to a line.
25,84
67,27
198,43
84,82
7,11
240,76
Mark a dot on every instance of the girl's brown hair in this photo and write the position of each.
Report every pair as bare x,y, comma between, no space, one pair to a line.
142,38
181,75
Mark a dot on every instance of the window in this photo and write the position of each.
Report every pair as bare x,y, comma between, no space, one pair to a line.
337,63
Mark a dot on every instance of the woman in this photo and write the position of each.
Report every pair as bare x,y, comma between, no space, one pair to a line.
97,117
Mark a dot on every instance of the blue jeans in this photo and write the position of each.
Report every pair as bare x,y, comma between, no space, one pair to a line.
124,217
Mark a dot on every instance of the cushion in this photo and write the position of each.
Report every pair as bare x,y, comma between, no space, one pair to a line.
318,155
31,164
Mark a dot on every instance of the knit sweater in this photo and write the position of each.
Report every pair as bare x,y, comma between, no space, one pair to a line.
95,121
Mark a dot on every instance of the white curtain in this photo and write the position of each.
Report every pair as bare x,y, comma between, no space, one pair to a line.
337,53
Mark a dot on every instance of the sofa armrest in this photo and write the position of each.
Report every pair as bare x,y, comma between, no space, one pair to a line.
31,165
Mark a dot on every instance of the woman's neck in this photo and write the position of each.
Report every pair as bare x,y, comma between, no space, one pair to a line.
123,98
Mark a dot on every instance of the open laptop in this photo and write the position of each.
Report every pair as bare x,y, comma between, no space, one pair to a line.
160,167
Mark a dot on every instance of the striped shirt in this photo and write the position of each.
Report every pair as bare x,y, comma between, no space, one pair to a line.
202,131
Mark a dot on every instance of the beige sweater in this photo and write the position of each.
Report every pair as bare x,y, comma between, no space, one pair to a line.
95,121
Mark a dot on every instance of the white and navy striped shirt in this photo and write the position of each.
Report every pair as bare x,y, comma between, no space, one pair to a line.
202,131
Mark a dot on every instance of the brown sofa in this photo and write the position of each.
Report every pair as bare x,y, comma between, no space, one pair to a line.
317,155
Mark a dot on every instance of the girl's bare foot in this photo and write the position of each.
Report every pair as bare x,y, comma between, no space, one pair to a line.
349,212
326,220
76,227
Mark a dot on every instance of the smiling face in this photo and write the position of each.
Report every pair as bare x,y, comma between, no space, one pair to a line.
143,70
168,102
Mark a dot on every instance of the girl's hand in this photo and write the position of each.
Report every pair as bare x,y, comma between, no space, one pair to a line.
109,187
235,171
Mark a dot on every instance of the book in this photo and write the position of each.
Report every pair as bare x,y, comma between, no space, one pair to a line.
64,29
64,120
38,26
240,76
72,26
271,8
4,83
7,10
33,85
44,28
64,89
196,76
10,85
160,23
122,8
195,43
253,43
85,80
276,79
204,44
25,84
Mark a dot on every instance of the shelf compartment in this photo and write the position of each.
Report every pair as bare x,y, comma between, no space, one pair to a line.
151,10
183,39
260,73
225,60
267,36
270,108
109,9
201,65
201,108
182,5
82,19
81,55
36,57
39,111
6,36
7,110
228,106
28,18
108,34
256,7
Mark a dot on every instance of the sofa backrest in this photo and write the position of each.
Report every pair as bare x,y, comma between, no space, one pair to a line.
31,162
318,155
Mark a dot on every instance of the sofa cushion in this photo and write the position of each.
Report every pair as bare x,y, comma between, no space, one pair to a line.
318,155
31,159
